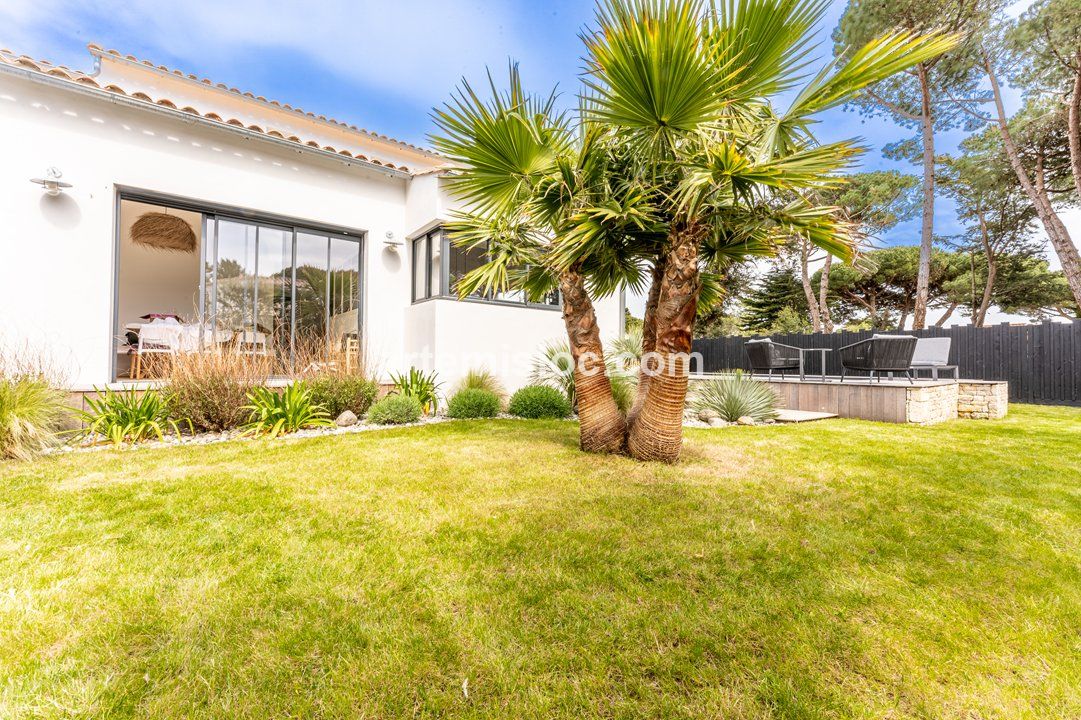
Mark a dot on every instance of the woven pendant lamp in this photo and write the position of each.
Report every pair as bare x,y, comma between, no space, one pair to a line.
164,232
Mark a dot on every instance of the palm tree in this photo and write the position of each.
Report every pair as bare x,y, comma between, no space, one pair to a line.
676,164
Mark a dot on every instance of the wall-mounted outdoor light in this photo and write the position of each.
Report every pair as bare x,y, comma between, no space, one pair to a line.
51,183
390,242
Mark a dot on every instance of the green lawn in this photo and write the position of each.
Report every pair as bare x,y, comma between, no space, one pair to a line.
839,569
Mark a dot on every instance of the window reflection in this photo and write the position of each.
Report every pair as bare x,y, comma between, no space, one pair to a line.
430,272
271,287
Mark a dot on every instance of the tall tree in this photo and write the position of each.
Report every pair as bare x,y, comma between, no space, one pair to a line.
873,202
1046,43
677,164
929,96
998,216
1032,144
778,289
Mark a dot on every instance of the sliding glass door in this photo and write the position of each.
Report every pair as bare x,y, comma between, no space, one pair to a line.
269,287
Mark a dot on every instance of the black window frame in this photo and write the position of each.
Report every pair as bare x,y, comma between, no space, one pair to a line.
438,234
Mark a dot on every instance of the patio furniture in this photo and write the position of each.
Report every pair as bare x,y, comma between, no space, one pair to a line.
879,354
352,351
767,356
822,360
161,336
933,354
250,342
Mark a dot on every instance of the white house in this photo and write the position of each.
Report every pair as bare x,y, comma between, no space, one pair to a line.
298,224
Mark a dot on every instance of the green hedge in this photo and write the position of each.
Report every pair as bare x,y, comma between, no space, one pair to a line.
473,403
395,410
338,393
539,401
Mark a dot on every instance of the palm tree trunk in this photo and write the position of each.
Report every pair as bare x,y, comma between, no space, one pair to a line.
808,290
923,277
649,341
602,427
823,295
657,431
1037,194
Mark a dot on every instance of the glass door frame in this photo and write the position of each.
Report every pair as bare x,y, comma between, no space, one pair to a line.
213,211
215,219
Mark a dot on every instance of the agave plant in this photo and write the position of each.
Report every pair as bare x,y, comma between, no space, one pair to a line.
129,416
274,413
734,395
692,149
422,386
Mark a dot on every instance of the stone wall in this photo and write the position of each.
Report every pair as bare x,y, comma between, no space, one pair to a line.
982,399
930,404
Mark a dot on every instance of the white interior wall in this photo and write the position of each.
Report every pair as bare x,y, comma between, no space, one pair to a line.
156,281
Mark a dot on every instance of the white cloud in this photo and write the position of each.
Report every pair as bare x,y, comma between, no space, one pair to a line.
415,49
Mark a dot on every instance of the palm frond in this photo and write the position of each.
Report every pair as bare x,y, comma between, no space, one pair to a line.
765,43
647,72
501,145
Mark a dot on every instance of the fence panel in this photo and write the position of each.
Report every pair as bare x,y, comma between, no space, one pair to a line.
1042,363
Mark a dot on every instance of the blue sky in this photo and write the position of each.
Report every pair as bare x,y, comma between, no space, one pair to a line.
379,65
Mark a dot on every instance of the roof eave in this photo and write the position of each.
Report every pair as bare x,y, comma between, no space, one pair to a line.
100,53
189,118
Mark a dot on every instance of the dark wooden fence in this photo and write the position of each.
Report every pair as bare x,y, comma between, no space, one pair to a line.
1041,362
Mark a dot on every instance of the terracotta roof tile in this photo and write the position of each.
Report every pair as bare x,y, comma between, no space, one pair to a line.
99,50
76,77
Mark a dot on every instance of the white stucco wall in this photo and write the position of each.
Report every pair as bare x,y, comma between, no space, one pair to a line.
58,255
503,339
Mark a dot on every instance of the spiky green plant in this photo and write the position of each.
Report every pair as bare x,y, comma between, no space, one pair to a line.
734,395
420,385
31,411
554,367
274,413
627,350
481,379
129,416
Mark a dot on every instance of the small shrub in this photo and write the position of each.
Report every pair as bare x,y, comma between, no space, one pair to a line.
734,395
419,385
338,393
130,416
473,403
395,410
275,413
31,412
539,401
482,379
210,389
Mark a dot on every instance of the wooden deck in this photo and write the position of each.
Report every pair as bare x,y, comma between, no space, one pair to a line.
885,401
923,402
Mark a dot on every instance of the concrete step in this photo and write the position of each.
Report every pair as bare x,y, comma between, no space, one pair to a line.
785,415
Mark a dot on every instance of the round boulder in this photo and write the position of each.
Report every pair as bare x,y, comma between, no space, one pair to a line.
346,419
